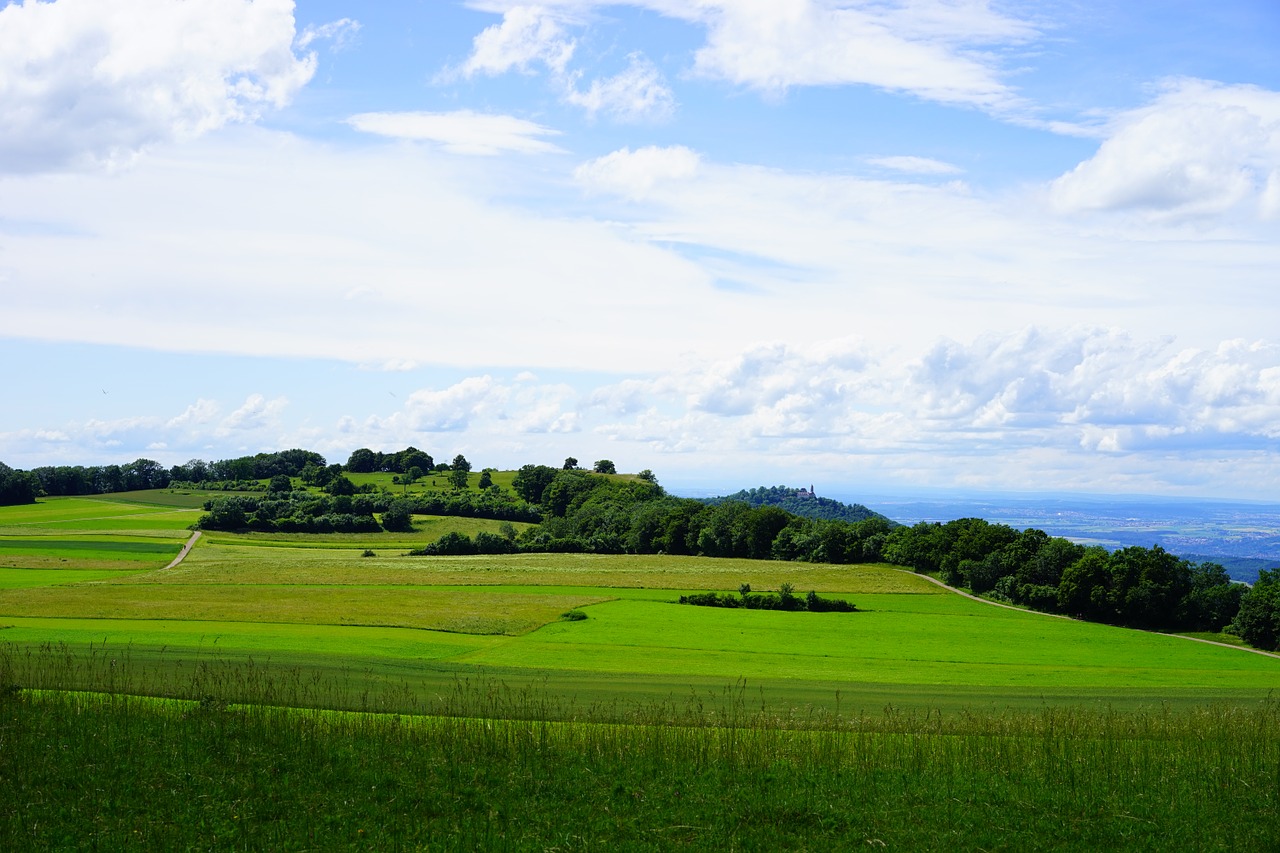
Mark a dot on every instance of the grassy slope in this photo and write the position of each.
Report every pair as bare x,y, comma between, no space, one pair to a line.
317,604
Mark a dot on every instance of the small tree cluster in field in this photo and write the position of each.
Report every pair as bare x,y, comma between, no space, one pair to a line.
784,599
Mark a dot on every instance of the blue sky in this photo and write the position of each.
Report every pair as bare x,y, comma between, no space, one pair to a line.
939,244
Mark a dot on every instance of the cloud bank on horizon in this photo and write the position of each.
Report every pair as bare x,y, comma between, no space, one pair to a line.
899,245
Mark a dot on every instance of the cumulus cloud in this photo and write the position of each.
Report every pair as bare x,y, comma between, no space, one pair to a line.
1199,149
257,413
528,35
634,173
637,94
85,82
461,132
202,411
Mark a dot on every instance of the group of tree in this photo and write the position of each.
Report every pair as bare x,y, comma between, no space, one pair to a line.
17,487
784,599
1135,586
366,461
346,510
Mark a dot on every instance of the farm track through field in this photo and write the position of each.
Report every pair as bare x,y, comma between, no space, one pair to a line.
978,598
186,549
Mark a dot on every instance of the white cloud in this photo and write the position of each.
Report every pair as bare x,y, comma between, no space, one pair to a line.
85,82
916,165
936,49
634,173
341,33
257,413
637,94
461,132
202,411
527,35
1199,149
930,49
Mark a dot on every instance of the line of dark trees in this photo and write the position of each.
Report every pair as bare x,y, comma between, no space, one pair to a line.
241,473
344,510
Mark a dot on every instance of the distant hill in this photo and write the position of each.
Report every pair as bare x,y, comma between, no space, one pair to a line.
801,502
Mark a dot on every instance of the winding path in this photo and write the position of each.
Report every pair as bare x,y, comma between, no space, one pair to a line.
961,592
186,549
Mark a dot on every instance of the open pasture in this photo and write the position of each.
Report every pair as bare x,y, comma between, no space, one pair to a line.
317,603
96,515
226,559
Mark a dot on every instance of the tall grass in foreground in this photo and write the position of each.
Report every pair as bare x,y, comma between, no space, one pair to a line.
491,768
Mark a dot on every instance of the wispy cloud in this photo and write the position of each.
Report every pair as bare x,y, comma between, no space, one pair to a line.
462,132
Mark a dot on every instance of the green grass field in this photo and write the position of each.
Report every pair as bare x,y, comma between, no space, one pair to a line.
317,602
452,707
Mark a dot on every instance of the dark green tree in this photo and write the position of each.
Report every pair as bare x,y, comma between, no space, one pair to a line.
604,466
398,517
341,486
1258,622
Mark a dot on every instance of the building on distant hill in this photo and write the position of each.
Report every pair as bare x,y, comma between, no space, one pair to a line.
806,494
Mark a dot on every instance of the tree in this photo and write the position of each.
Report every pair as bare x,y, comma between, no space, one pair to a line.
363,461
412,457
486,479
570,463
341,486
280,483
397,517
17,487
532,480
460,463
648,476
604,466
458,478
1258,622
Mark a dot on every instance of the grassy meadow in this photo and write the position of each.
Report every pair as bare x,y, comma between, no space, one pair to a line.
453,705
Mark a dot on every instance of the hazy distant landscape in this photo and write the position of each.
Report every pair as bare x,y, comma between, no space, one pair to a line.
1243,536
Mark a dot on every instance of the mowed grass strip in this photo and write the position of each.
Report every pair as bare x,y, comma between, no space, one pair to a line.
223,561
130,553
899,639
99,514
466,612
22,578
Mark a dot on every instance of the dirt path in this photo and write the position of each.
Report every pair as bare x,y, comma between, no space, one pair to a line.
186,549
961,592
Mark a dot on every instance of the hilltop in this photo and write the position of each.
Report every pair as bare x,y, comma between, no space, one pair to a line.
802,502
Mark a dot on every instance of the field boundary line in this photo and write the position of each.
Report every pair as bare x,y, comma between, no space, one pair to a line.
973,597
186,549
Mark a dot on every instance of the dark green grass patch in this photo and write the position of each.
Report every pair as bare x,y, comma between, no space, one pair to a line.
47,545
118,773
